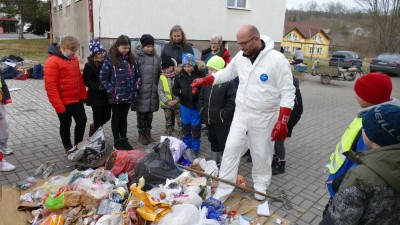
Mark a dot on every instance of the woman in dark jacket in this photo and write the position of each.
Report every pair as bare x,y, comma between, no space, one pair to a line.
97,96
177,45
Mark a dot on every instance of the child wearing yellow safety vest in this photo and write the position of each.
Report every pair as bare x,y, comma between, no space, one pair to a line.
169,102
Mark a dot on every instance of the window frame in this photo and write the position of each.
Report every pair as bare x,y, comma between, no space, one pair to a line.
235,6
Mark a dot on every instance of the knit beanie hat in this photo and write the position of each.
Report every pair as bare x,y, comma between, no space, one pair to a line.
146,39
216,63
166,62
374,88
95,47
381,124
188,58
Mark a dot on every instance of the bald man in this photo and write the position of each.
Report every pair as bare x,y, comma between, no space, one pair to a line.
264,100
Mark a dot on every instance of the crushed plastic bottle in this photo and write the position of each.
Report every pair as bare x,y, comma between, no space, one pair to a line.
27,183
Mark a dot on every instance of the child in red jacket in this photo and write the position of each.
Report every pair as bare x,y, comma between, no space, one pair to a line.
65,88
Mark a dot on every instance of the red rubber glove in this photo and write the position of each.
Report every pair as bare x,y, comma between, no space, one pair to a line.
8,101
199,82
280,131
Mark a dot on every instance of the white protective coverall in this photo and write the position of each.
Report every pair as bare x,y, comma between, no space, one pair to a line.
264,87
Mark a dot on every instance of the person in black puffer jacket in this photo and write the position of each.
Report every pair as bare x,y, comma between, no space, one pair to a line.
191,125
97,96
217,106
279,161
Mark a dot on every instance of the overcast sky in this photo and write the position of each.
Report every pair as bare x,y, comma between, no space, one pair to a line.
290,4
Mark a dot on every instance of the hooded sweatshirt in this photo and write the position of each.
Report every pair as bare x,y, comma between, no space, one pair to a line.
63,80
370,192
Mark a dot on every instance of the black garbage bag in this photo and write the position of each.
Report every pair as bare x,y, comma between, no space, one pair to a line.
157,166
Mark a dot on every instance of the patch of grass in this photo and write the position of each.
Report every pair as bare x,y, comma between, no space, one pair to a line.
28,49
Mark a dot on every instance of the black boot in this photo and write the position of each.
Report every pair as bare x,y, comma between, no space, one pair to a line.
142,139
117,144
125,144
148,137
279,168
275,161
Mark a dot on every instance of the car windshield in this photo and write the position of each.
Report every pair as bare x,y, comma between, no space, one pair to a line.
389,58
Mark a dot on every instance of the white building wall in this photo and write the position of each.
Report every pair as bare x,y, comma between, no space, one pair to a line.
199,19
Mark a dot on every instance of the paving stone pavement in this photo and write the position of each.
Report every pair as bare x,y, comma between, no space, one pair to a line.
328,109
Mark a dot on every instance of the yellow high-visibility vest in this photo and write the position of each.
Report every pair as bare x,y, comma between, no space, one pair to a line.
348,138
166,88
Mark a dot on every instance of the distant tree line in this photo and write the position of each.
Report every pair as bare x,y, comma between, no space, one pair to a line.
371,28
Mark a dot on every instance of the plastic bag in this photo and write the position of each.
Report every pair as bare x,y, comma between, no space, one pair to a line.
209,167
190,198
151,210
186,214
176,146
55,203
157,166
91,153
121,161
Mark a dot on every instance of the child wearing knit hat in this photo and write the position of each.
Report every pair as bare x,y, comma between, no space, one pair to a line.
97,95
168,101
191,124
371,90
369,193
146,102
217,106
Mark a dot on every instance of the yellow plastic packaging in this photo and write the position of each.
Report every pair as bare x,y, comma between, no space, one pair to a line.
150,211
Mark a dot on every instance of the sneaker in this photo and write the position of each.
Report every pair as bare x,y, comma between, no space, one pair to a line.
48,171
6,166
259,197
6,150
39,171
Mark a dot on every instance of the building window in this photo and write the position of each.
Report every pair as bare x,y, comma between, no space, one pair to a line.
286,48
320,38
311,50
294,37
319,51
294,49
289,37
314,38
237,3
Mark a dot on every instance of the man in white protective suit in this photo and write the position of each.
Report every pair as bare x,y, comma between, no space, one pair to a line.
264,100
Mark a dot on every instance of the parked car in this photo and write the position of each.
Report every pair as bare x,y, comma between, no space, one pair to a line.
159,45
26,27
388,63
345,59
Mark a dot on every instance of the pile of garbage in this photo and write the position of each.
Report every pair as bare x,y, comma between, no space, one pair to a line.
114,187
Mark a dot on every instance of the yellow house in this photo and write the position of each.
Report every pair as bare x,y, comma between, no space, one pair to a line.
309,37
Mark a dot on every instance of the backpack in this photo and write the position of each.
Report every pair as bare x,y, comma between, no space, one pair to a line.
21,74
38,71
8,72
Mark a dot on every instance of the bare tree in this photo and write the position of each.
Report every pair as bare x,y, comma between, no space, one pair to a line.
384,31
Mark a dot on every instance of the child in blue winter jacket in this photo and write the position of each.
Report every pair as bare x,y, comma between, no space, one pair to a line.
120,77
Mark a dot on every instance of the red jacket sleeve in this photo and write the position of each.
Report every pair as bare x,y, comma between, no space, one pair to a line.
51,82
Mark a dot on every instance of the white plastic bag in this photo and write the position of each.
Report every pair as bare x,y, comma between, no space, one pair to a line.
209,167
177,147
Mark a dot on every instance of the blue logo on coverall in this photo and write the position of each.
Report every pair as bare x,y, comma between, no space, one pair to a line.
263,77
